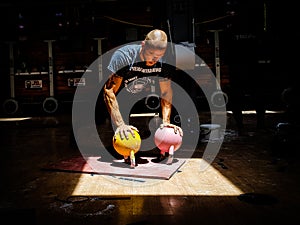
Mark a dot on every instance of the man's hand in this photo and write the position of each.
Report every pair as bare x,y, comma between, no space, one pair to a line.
177,129
124,131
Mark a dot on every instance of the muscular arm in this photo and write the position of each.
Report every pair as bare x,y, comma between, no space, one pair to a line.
166,105
110,89
166,99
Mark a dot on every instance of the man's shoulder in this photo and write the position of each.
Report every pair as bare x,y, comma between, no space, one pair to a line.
123,57
130,49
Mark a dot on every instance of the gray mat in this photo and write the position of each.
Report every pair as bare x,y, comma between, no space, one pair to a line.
94,165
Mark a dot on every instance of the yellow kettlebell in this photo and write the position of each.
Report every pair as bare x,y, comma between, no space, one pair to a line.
127,147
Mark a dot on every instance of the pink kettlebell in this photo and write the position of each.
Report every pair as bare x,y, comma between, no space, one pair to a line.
167,140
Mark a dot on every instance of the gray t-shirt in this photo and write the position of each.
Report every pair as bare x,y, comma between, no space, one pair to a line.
137,76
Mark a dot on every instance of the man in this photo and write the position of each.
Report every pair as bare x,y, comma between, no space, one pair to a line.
133,67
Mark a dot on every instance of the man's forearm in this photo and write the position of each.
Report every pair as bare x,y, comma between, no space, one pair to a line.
166,106
166,99
113,107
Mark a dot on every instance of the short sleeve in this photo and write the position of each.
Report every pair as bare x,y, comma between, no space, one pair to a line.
117,62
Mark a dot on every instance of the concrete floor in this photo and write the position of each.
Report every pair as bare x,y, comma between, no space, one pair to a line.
30,195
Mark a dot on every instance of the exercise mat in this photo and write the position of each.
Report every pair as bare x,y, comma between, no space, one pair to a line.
95,165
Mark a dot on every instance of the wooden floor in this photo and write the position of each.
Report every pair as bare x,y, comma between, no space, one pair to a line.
245,183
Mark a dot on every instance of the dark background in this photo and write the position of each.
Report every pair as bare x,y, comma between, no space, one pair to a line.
251,32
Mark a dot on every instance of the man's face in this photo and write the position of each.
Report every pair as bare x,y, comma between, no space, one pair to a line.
151,56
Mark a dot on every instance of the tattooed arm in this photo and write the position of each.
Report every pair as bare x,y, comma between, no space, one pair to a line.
110,89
